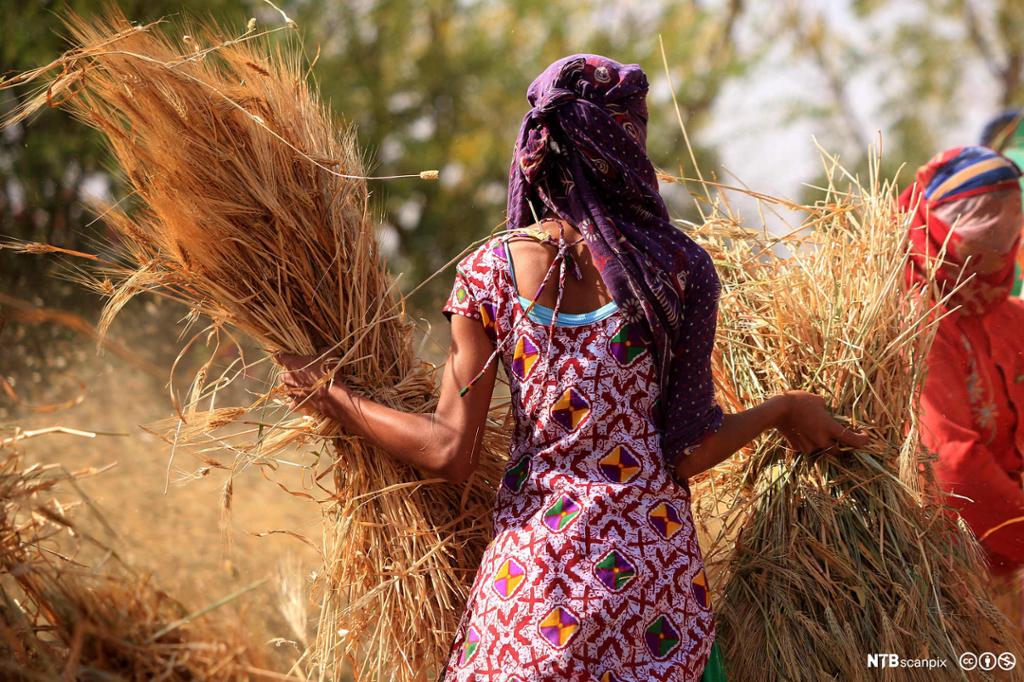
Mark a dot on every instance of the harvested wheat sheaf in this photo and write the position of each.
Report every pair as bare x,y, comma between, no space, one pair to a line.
819,561
63,619
250,206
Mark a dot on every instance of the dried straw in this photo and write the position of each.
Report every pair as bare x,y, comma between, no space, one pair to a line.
62,619
252,209
821,560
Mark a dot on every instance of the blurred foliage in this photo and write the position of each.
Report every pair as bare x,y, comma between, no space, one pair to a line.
441,84
929,60
435,84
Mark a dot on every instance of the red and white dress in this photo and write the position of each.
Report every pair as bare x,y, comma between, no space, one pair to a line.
594,572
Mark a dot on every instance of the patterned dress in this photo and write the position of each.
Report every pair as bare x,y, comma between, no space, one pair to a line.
594,572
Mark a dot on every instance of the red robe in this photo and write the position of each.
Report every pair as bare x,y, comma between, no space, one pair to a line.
972,404
972,417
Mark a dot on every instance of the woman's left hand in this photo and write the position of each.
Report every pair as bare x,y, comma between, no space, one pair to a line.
304,381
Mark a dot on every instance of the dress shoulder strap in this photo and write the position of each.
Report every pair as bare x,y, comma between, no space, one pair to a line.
532,232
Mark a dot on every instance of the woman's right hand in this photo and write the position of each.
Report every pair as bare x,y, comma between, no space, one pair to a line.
808,426
304,381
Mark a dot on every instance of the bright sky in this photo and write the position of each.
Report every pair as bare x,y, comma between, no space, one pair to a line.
761,143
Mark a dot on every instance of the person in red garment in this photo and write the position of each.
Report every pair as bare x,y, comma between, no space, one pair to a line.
968,199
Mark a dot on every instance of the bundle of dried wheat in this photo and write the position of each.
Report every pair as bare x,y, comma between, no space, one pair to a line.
252,209
822,560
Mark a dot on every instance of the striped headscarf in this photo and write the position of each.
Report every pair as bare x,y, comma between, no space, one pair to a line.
963,172
966,208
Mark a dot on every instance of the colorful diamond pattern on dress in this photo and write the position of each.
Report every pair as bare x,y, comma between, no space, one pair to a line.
579,580
461,294
665,519
627,345
614,571
619,465
489,319
509,579
700,589
469,646
559,626
661,637
517,474
571,409
563,512
524,357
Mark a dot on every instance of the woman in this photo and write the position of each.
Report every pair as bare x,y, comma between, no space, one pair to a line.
966,206
603,315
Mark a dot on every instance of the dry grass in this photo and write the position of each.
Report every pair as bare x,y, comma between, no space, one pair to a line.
821,560
250,207
63,618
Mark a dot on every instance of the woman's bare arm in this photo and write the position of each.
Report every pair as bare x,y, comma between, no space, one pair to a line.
446,442
801,417
443,443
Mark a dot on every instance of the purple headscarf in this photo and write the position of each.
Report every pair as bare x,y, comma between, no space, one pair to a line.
582,156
